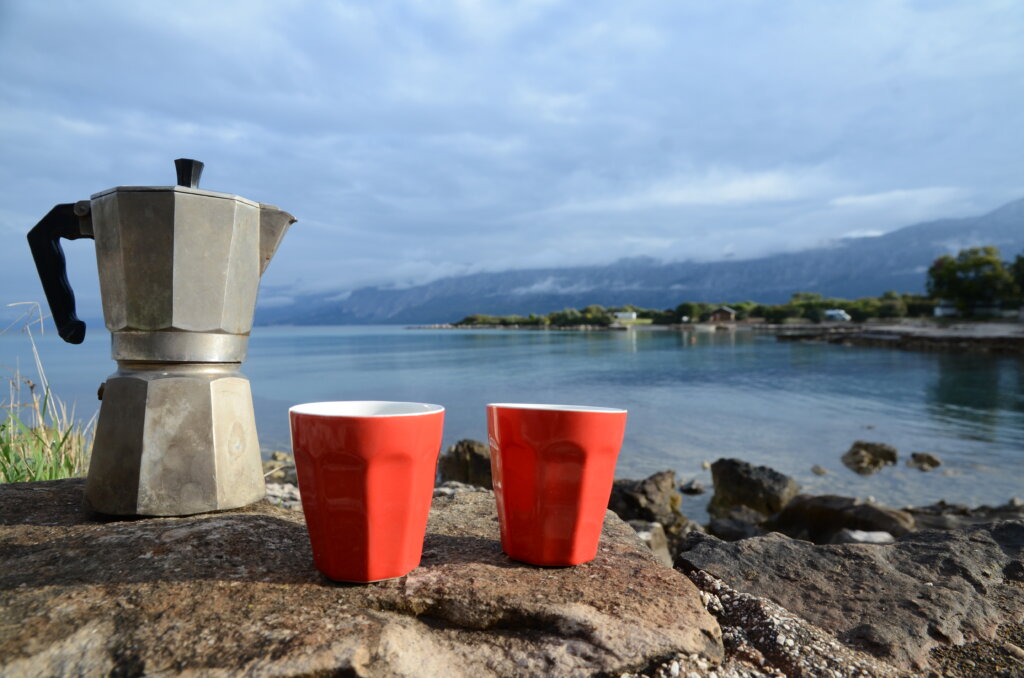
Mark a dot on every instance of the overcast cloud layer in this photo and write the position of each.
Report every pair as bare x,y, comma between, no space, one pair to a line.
415,140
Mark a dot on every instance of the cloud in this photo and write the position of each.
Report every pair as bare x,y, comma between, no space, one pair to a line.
415,140
715,187
901,198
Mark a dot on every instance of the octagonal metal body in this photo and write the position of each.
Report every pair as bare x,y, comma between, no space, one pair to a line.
176,260
175,440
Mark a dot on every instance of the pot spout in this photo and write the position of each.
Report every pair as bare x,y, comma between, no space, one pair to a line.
274,224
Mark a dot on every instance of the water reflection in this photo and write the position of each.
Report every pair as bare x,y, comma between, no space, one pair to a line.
966,390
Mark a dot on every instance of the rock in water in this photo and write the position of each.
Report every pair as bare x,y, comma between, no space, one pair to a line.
235,593
896,601
653,499
819,518
923,461
467,461
865,458
692,487
738,483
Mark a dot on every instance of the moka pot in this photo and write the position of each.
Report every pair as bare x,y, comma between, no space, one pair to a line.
179,272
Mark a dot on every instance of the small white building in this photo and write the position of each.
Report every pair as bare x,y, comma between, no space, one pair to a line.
625,315
837,315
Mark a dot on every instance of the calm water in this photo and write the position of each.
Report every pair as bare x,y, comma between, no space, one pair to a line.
691,397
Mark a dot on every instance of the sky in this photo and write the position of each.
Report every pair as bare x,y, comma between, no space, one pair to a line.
417,140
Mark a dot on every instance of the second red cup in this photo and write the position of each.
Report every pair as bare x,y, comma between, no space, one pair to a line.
366,476
552,468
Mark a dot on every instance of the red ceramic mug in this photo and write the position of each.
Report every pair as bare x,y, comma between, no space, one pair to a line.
552,469
366,476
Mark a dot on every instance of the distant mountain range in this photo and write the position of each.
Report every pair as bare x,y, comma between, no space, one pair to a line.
853,267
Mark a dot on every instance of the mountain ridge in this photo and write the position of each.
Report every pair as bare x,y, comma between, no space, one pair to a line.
849,268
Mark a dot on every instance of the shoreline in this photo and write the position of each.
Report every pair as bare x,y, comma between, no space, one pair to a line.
983,337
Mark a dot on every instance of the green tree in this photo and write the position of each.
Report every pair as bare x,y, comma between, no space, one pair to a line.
1016,269
976,276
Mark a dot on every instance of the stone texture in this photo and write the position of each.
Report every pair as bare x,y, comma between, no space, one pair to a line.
467,461
652,499
819,518
928,589
946,516
235,593
738,483
923,461
652,534
764,635
865,458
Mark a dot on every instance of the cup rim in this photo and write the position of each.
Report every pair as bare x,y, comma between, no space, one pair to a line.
558,408
364,409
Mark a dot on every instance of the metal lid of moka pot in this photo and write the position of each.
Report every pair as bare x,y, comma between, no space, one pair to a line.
179,270
189,172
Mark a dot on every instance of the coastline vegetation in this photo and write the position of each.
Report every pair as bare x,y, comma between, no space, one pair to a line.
803,306
40,437
975,282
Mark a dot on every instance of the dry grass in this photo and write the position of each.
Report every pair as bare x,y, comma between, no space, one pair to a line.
40,438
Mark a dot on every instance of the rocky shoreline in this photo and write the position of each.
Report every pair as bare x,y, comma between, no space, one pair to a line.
824,585
989,338
778,583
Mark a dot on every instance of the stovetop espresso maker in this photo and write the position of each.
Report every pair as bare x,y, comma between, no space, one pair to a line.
179,271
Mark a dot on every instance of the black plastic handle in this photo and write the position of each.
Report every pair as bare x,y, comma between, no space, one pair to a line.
44,240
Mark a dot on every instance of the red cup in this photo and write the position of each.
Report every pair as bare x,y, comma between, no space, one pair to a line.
552,469
366,476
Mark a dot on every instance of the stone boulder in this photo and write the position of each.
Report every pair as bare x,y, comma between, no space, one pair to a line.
653,536
819,518
929,589
235,593
923,461
738,483
467,461
653,499
946,516
865,458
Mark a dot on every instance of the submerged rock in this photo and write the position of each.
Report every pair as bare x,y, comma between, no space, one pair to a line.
692,487
866,458
235,593
467,461
738,483
923,461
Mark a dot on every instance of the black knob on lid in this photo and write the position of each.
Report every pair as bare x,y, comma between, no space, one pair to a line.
189,172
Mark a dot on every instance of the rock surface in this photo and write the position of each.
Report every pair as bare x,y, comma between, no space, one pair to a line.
236,593
738,483
923,461
820,518
946,516
653,499
865,457
467,461
929,589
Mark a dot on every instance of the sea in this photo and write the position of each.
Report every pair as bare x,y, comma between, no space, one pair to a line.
692,397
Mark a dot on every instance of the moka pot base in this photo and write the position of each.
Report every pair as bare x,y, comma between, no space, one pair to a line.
174,439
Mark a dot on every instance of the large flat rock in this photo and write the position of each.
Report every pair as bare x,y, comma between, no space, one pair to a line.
930,589
236,592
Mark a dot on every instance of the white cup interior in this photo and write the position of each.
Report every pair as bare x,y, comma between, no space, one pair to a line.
365,408
556,408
